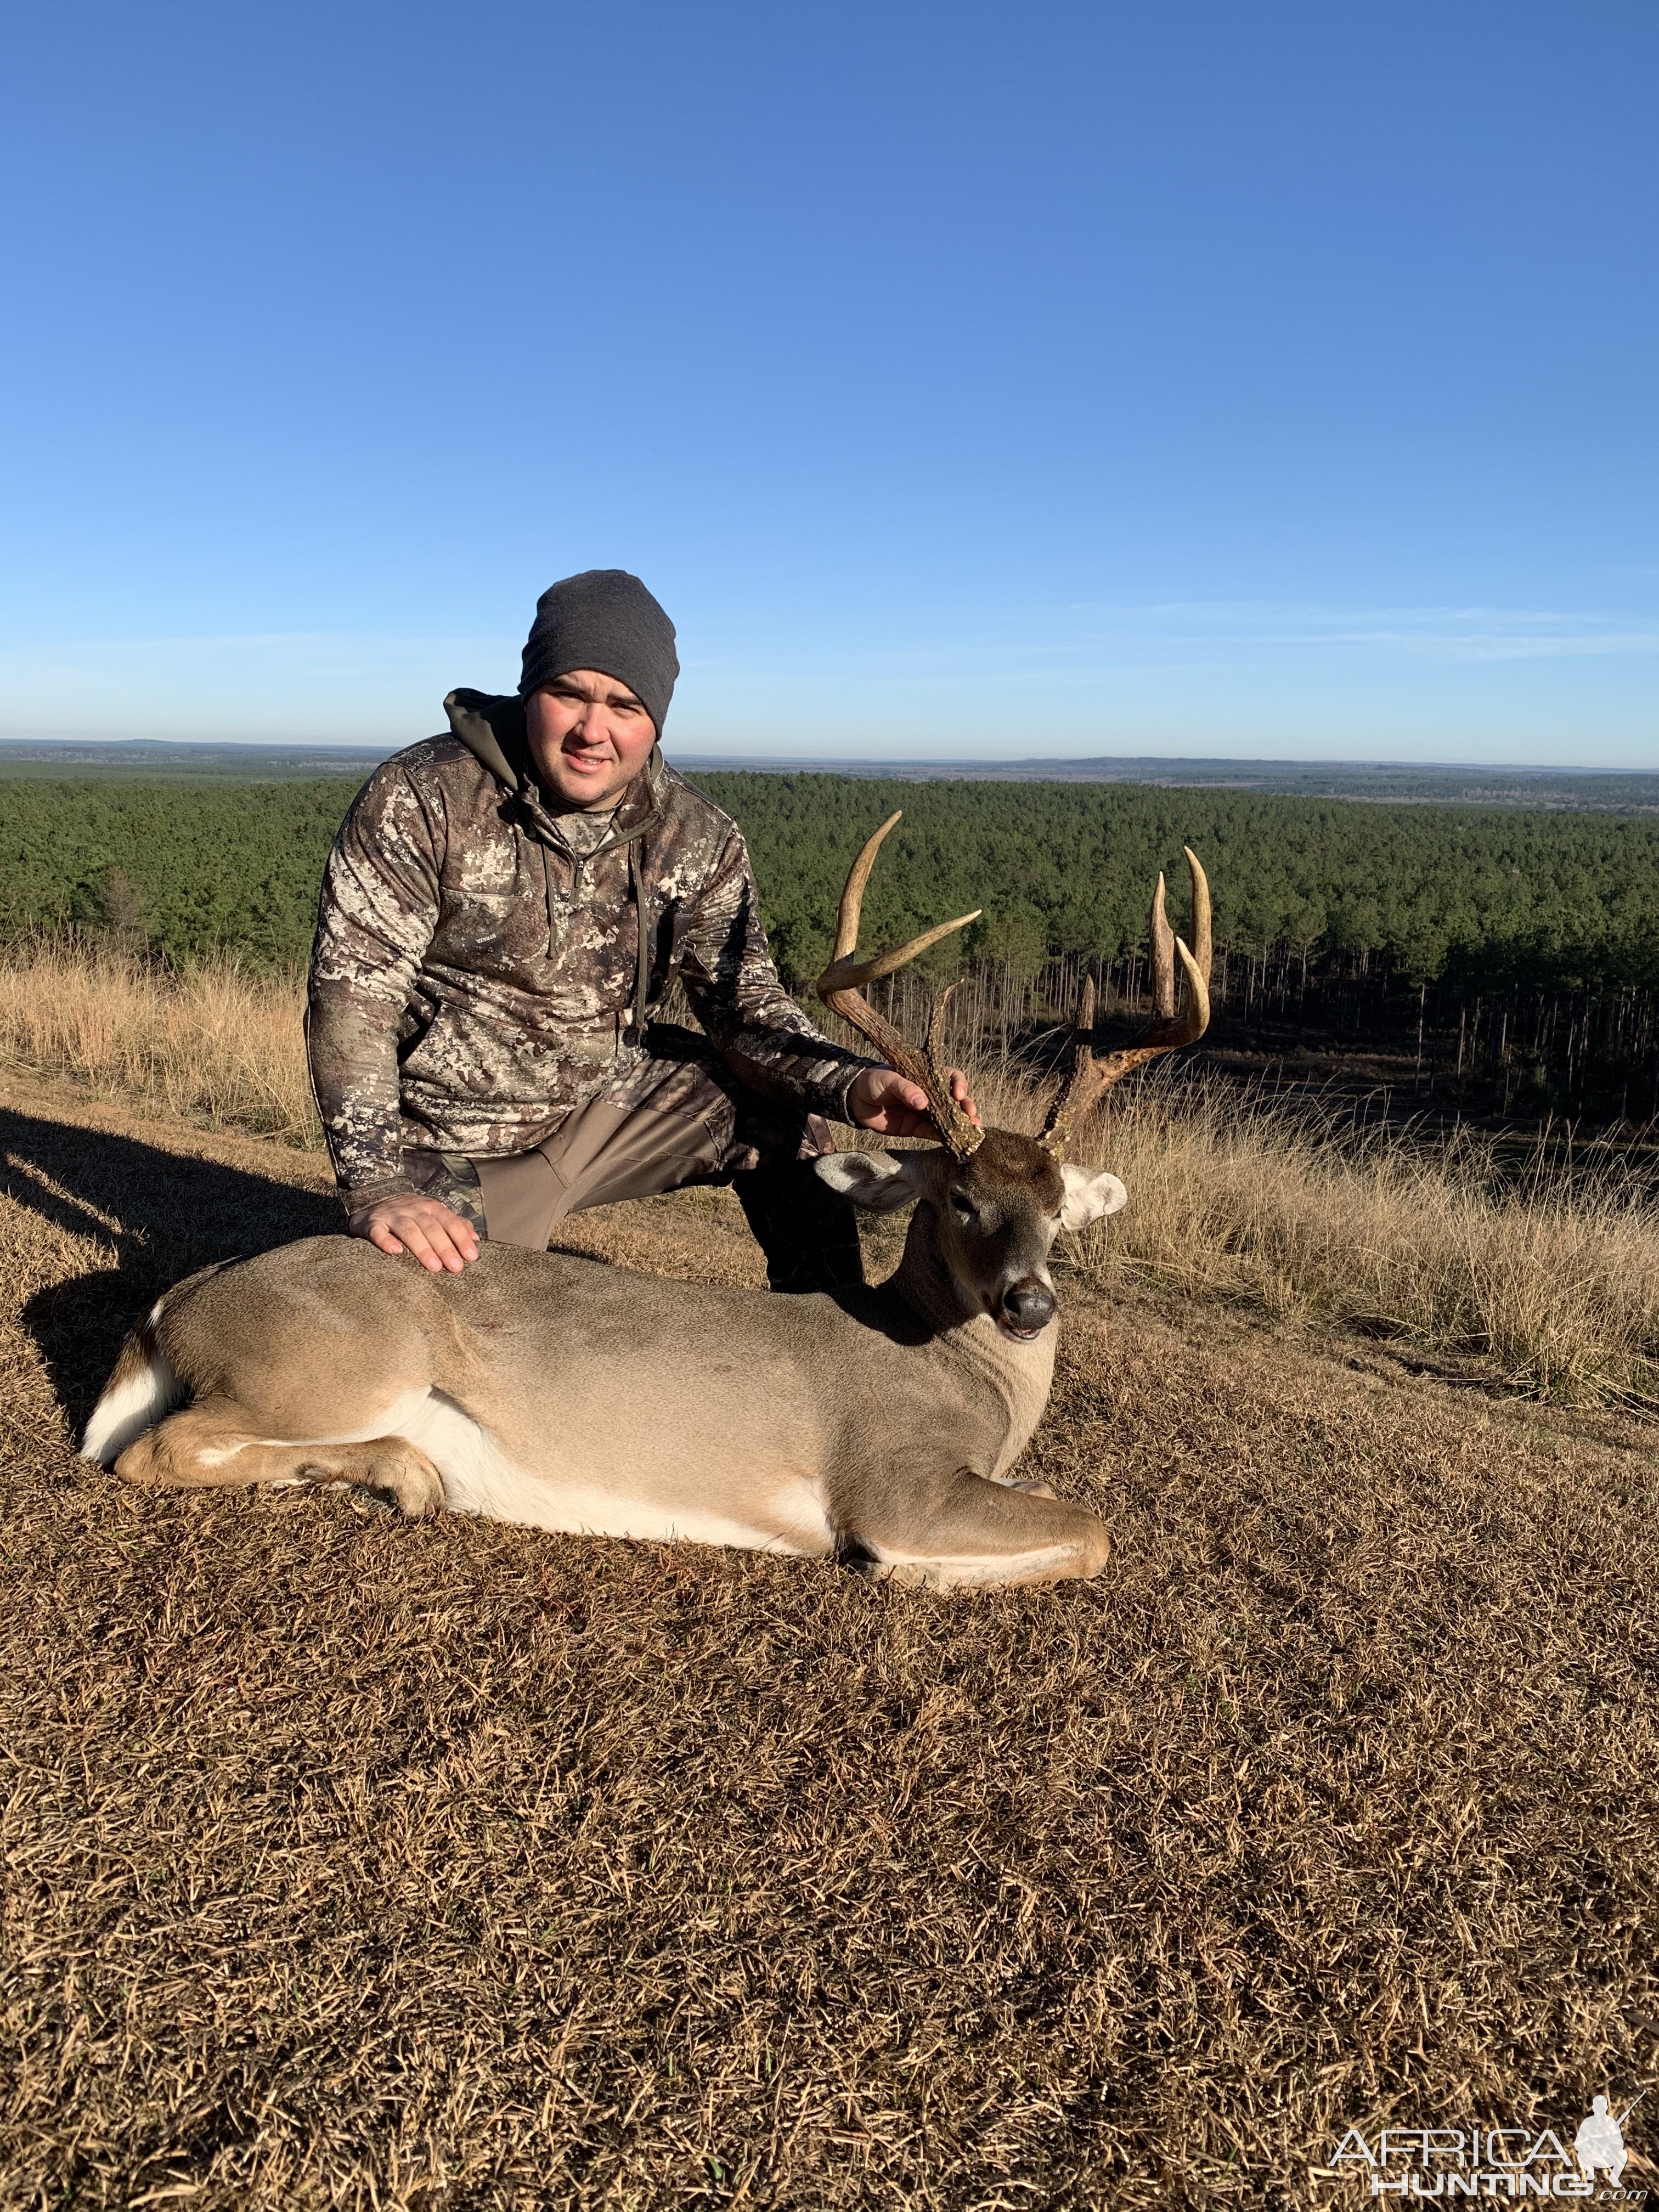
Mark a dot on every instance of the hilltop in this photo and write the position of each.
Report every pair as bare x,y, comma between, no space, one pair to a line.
353,1863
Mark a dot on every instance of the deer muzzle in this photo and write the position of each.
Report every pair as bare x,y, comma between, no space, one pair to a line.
1025,1308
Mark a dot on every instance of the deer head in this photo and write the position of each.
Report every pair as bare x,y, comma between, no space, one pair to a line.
995,1199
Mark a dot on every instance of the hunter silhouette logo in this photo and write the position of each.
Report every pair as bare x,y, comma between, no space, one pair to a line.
1599,2145
1508,2163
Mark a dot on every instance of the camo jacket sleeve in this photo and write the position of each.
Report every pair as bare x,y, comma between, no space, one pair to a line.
760,1032
375,919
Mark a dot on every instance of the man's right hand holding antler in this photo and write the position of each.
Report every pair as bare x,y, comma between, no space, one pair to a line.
889,1105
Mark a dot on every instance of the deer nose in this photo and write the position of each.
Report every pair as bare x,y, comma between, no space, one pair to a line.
1028,1305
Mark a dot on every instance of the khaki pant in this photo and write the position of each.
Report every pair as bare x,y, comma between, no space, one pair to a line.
680,1117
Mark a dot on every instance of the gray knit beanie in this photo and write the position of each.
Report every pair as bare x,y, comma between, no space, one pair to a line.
604,619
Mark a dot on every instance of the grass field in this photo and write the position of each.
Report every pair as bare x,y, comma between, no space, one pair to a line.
353,1864
1540,1274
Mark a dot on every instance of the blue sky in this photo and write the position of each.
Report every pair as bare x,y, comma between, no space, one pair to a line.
965,379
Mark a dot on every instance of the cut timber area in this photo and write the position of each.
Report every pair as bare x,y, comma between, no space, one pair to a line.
349,1863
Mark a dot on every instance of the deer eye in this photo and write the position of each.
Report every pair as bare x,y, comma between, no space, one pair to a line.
963,1208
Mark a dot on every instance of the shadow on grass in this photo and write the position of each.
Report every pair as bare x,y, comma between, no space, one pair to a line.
164,1214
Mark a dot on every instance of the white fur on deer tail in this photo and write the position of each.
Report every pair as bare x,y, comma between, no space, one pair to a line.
142,1387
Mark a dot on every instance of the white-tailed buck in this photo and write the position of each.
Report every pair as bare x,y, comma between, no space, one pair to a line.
877,1425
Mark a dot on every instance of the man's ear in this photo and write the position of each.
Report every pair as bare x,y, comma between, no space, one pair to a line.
1090,1195
880,1182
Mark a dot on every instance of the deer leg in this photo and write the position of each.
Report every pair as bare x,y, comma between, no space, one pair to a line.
969,1534
206,1448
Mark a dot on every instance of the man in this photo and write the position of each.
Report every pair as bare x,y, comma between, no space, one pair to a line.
502,911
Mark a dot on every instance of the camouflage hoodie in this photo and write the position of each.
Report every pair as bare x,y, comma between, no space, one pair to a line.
475,977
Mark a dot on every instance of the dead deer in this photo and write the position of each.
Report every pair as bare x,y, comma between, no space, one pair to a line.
877,1425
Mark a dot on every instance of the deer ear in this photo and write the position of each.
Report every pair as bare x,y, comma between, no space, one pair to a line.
880,1182
1090,1195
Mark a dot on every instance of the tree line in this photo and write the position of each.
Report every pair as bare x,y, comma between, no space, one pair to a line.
1473,899
181,870
1469,895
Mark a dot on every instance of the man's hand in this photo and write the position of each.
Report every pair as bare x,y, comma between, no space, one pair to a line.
409,1223
890,1104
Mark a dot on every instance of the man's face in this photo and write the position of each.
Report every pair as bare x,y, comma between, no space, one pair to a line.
589,738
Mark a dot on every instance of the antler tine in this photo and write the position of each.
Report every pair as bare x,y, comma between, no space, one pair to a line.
851,899
844,973
1200,916
936,1022
1064,1106
1161,937
1165,1033
839,989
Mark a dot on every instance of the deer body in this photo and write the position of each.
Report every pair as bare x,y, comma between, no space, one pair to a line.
565,1394
877,1425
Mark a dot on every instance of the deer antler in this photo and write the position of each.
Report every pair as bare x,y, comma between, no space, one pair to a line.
1165,1033
839,989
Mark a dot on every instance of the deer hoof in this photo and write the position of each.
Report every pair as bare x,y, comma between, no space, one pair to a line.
410,1481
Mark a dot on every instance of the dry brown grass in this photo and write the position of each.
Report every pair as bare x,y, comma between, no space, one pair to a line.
1541,1277
1547,1283
211,1045
354,1864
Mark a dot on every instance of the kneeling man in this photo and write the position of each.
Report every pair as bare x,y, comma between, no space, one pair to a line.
504,909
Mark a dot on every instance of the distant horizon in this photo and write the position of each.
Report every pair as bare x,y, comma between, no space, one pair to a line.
743,757
1449,781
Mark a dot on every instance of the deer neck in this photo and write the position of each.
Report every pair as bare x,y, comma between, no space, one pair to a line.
960,1329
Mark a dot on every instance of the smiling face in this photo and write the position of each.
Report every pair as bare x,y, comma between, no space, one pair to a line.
998,1214
589,738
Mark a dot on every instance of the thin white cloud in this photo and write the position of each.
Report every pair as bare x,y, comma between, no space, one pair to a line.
1435,633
